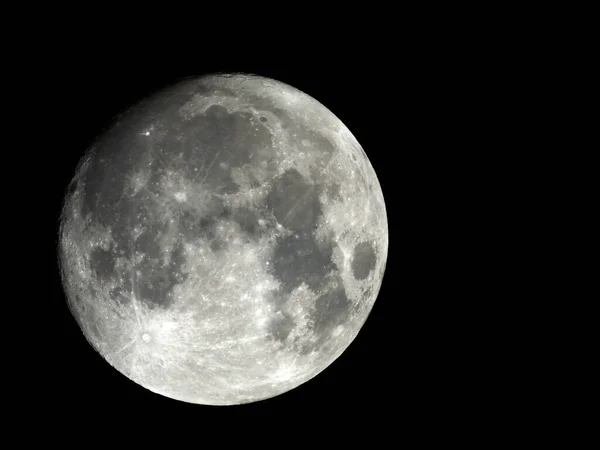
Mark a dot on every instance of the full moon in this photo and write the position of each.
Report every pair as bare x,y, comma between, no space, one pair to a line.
224,241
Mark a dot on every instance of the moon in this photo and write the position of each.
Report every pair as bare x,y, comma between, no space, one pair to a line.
224,241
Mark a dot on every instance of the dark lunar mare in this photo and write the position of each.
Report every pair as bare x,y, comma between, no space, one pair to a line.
364,260
211,144
299,258
302,258
103,263
281,326
204,148
332,308
294,201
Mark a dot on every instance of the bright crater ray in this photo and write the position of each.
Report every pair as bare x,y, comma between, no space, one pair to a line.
224,241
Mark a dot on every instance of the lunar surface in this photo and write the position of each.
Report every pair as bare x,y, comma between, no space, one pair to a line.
224,241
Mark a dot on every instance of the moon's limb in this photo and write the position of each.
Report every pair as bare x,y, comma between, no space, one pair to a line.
225,241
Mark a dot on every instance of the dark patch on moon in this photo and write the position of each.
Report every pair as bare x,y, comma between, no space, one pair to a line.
367,294
247,220
106,175
193,227
121,234
262,118
363,260
299,258
333,191
281,326
102,263
216,111
72,187
201,89
103,188
211,144
294,201
217,244
147,242
156,280
322,143
331,308
152,280
91,323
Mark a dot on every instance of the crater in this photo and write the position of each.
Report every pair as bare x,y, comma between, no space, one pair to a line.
363,260
262,118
